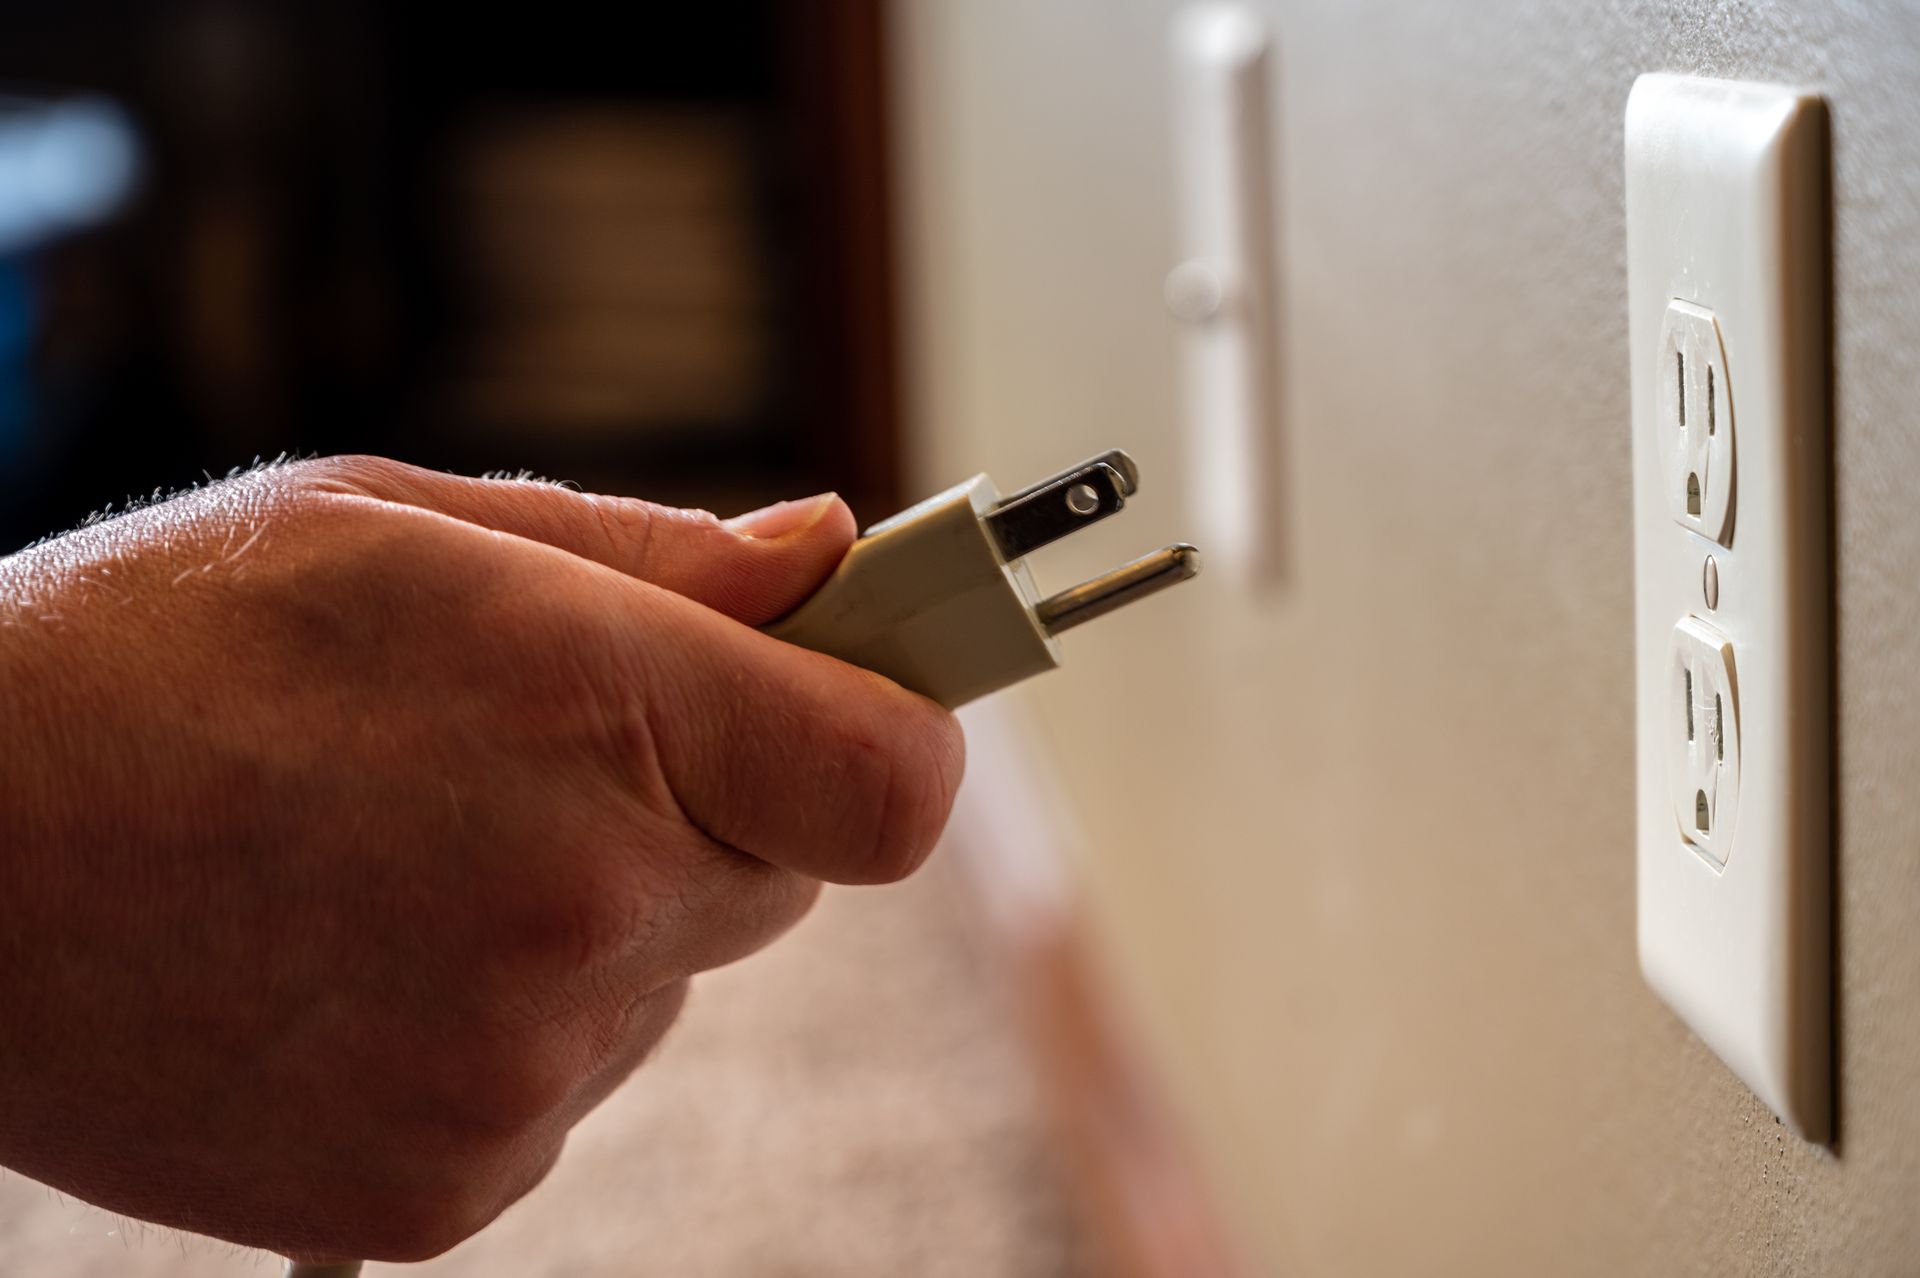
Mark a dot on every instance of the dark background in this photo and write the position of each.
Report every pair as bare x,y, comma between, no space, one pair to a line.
643,248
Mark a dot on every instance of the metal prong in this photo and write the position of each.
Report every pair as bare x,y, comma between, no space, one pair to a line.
1117,458
1118,588
1064,503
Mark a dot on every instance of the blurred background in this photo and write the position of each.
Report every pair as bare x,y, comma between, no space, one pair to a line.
646,257
1291,928
646,251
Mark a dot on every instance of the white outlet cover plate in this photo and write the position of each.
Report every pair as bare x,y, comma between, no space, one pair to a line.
1726,210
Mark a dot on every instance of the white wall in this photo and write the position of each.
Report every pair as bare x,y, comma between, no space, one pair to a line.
1364,851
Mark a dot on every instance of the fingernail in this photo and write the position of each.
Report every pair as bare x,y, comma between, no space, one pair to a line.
783,518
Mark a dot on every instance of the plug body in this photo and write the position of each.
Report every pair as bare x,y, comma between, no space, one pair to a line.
939,598
926,599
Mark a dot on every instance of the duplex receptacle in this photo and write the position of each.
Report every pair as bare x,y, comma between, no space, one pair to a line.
1726,258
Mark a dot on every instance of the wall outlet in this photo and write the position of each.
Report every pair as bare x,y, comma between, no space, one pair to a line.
1726,278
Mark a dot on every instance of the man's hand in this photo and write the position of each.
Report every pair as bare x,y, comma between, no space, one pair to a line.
360,827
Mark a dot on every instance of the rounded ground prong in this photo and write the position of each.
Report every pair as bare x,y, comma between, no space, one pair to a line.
1100,596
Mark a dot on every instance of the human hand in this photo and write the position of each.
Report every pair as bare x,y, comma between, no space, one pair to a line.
360,827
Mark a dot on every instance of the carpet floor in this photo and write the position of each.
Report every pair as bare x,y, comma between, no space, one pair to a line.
851,1103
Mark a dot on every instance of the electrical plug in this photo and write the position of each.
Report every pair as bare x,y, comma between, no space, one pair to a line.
939,598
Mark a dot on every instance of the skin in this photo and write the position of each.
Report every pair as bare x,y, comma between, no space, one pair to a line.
361,826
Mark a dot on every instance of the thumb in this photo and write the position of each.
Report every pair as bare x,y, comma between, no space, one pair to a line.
754,568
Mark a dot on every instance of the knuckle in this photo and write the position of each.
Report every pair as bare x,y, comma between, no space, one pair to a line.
360,474
306,496
508,1087
431,1221
546,997
523,1088
579,918
625,529
409,1231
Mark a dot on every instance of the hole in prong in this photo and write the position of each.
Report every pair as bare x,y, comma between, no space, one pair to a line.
1693,495
1082,500
1680,385
1700,819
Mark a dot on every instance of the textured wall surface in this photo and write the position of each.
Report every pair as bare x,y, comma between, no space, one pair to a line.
1364,848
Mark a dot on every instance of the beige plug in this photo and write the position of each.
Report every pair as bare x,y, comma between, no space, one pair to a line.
939,597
